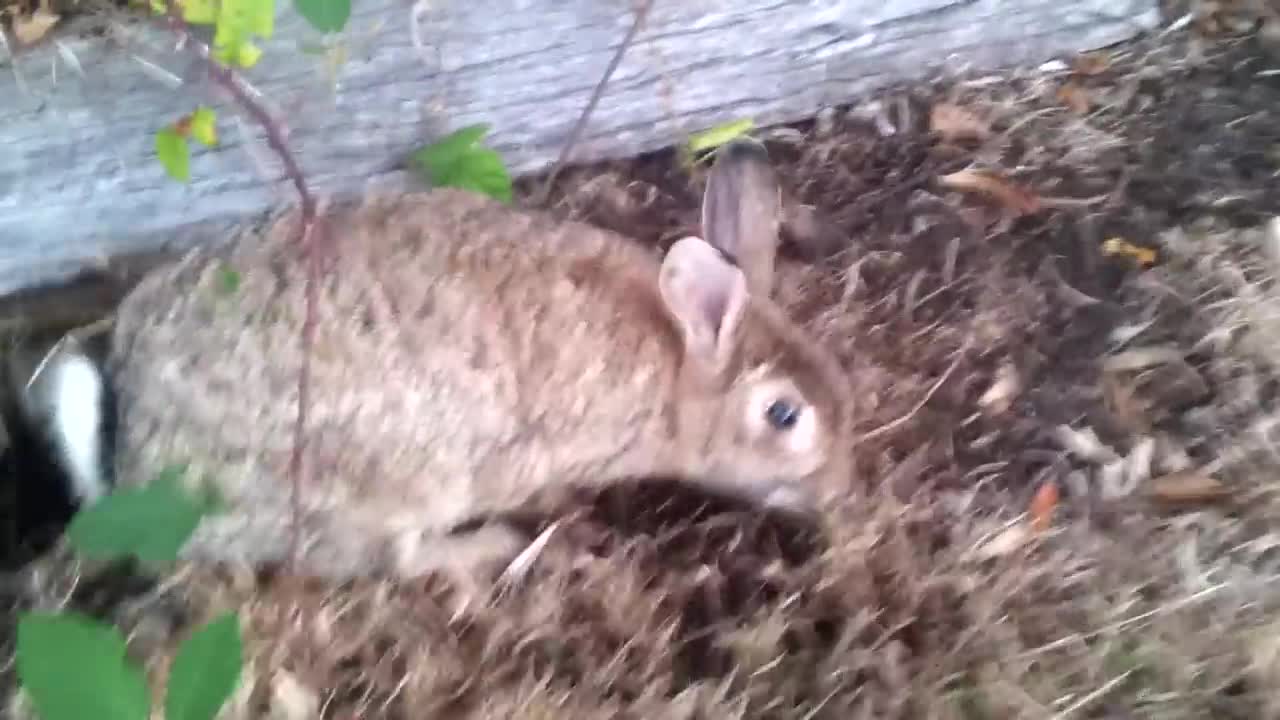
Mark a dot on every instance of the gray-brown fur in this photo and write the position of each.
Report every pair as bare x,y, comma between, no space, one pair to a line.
742,210
467,357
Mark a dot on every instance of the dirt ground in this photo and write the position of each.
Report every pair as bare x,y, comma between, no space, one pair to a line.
1065,501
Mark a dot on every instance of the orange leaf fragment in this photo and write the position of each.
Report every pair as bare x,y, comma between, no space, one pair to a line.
1042,506
1074,97
953,122
1008,194
1186,486
1091,63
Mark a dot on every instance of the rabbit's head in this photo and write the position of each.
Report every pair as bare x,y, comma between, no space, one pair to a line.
763,409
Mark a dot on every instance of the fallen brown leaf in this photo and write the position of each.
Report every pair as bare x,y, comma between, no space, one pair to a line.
1074,97
1043,505
953,122
29,29
1006,542
1143,386
1186,486
1121,399
1008,194
1091,63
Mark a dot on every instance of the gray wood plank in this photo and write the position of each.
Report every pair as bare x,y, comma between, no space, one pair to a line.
79,181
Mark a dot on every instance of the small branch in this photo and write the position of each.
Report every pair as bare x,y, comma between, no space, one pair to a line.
890,427
245,96
641,14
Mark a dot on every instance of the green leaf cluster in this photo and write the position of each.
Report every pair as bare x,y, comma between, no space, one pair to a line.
74,667
459,160
238,25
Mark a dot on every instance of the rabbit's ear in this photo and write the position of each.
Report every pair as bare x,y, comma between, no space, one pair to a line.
707,295
742,209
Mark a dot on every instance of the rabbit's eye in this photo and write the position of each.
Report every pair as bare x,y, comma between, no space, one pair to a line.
782,414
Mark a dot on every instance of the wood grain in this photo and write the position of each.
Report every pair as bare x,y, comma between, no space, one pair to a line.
79,181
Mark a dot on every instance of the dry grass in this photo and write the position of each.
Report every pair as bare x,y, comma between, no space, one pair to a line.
929,597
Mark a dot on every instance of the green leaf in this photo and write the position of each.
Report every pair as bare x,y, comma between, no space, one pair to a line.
242,18
74,667
238,23
204,126
714,137
228,280
701,145
197,12
482,170
326,16
205,671
457,160
237,52
151,523
447,150
175,156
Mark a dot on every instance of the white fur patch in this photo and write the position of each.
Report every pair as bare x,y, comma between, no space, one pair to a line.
74,400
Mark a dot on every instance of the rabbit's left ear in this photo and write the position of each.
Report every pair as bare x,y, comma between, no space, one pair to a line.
742,210
707,296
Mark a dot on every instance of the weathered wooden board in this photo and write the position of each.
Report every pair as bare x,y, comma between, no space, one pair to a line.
79,181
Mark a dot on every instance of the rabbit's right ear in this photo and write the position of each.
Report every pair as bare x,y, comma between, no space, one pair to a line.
742,210
707,296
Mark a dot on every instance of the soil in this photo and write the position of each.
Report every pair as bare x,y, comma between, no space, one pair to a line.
974,328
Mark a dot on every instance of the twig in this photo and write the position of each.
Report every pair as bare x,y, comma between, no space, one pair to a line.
245,97
232,83
641,14
890,427
1087,699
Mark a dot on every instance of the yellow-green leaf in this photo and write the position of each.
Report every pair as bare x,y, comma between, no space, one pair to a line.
248,17
174,154
204,127
199,12
458,160
247,55
712,138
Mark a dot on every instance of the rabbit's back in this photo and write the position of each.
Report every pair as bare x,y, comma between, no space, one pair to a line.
465,355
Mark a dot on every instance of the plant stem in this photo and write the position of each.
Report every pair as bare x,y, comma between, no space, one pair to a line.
227,78
641,13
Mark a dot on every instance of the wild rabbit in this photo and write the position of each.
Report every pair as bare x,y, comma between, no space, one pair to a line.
469,355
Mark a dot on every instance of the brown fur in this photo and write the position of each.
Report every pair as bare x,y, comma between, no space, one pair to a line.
467,356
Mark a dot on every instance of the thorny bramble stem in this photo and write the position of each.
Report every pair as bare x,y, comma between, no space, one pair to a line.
228,80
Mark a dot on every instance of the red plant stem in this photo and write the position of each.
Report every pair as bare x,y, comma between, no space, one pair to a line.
641,14
227,78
